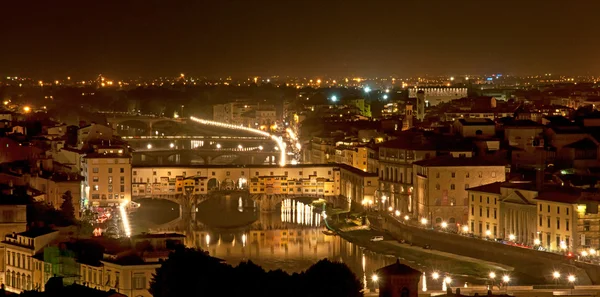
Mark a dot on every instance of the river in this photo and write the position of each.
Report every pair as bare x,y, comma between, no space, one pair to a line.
290,239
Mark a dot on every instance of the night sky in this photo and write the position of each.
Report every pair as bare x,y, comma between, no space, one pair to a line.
52,39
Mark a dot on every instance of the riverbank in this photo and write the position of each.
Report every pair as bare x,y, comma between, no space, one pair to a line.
458,267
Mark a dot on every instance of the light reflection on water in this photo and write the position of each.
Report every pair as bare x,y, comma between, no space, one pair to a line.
291,239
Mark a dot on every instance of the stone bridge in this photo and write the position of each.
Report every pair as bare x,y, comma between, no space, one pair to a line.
117,121
208,156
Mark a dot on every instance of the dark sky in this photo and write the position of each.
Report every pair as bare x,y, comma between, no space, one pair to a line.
53,39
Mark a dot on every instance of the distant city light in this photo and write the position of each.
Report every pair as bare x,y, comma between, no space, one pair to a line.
218,145
172,145
26,109
385,97
334,98
149,146
367,89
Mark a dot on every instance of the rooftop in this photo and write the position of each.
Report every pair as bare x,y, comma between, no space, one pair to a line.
398,269
449,161
37,232
476,122
157,235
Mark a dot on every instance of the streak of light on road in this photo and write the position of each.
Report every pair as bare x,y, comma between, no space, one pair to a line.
276,139
125,218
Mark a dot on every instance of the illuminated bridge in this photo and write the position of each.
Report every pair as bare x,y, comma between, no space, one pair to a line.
206,156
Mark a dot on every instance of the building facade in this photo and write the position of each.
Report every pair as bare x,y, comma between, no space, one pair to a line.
441,186
106,178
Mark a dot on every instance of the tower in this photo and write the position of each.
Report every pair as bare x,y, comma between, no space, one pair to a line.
407,122
420,105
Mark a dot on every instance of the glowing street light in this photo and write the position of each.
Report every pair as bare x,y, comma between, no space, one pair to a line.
423,221
375,278
447,280
444,225
435,275
367,89
465,228
536,241
488,233
334,98
397,213
390,208
512,237
385,97
218,145
172,145
506,279
556,275
260,147
240,146
26,109
406,218
149,146
571,278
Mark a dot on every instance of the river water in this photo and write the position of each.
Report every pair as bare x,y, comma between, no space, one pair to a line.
290,239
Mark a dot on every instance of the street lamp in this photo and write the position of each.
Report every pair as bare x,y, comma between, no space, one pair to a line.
149,146
465,228
435,275
172,145
385,97
334,98
571,278
397,213
444,225
512,237
537,241
390,208
488,233
406,218
367,89
218,145
423,221
492,277
556,276
506,280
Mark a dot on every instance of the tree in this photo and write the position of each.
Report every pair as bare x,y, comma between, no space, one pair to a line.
67,209
209,277
331,279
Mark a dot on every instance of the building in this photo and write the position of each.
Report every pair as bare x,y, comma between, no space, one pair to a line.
474,127
558,208
357,185
355,156
435,96
55,185
309,186
396,170
398,280
93,133
504,210
14,149
106,177
19,250
128,276
441,185
247,114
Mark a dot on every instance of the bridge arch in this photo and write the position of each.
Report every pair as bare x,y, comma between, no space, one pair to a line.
213,184
228,184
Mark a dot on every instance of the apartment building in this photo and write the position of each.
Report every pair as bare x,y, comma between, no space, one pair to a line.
310,186
19,250
106,177
441,185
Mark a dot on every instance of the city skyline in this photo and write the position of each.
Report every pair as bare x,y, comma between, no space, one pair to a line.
266,38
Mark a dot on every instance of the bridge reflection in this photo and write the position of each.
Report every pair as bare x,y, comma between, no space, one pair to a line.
290,239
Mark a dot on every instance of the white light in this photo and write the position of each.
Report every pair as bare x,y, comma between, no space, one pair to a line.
240,147
537,241
387,90
383,198
149,146
592,251
397,213
125,219
512,237
584,253
452,78
488,232
465,228
390,208
435,275
506,278
447,280
406,218
571,278
563,245
444,225
385,97
260,147
367,89
375,278
556,275
334,98
298,145
492,275
294,162
423,221
172,145
218,145
207,239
